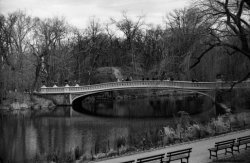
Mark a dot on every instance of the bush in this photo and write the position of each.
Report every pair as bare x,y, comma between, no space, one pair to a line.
100,155
112,153
169,135
193,131
221,124
121,141
207,130
242,117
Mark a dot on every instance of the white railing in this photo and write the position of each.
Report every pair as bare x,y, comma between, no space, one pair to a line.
143,84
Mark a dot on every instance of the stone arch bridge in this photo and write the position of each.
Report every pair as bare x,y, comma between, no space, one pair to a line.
68,94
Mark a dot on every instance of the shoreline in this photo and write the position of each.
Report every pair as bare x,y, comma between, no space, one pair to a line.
25,101
157,150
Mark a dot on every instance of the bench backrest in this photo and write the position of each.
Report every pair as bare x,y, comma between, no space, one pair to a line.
243,138
129,161
151,158
226,142
179,152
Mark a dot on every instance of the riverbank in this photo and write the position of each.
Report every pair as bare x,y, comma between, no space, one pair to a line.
199,154
187,130
24,101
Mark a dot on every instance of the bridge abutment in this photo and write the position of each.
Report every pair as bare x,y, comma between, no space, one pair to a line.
59,99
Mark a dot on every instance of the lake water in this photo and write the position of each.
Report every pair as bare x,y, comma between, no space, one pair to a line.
25,135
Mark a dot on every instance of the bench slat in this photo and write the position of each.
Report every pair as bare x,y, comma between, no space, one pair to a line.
247,137
243,139
225,142
179,154
174,154
129,161
150,158
180,151
177,157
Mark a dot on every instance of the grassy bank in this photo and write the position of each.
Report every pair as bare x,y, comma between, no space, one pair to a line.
23,101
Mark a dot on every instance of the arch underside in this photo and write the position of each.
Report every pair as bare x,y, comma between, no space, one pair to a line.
76,96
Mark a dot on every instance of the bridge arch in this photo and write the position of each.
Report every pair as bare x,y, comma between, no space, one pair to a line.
210,93
76,92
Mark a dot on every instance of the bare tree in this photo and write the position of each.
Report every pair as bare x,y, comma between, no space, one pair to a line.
48,36
20,31
130,29
5,39
184,31
15,30
230,27
97,42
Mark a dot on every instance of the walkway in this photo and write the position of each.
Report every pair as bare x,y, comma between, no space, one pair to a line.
199,152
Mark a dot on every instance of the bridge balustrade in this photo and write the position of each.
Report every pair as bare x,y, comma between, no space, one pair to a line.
144,84
52,90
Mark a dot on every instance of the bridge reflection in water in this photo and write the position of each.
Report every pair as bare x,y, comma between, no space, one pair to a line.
141,106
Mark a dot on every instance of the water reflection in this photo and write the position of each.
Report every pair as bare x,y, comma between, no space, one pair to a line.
142,107
22,138
29,134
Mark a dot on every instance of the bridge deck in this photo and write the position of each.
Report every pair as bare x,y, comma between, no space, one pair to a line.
153,84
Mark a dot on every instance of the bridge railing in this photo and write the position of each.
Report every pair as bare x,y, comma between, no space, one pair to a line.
143,84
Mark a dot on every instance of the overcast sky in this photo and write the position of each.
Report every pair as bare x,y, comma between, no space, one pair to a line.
78,12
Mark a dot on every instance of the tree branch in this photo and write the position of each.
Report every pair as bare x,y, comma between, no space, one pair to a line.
239,81
200,57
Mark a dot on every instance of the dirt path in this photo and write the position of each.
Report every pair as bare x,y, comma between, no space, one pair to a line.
199,153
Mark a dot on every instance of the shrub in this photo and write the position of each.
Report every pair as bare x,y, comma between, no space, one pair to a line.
242,117
169,135
112,153
122,149
132,149
206,130
168,131
121,141
221,124
99,155
193,131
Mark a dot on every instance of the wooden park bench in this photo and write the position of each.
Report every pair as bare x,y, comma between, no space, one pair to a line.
241,141
155,158
178,155
222,145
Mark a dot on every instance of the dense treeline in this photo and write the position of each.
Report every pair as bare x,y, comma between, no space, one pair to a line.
208,38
